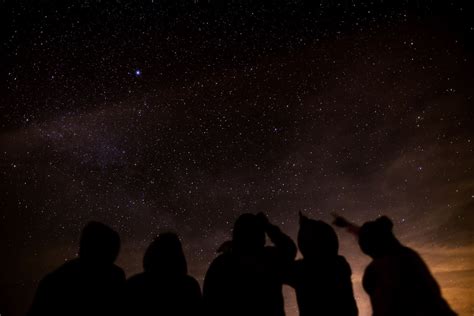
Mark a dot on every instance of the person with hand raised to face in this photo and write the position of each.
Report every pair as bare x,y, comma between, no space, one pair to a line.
247,276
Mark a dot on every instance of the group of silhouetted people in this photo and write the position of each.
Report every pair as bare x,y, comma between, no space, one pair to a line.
247,276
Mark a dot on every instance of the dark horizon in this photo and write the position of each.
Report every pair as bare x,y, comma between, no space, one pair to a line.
156,116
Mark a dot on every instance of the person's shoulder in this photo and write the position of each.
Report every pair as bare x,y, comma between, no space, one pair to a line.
298,262
117,271
271,251
61,274
191,281
409,259
222,259
391,263
341,260
298,266
49,279
371,267
135,279
343,265
409,253
70,266
222,263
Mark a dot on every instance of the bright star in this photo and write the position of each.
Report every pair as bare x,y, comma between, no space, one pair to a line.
138,72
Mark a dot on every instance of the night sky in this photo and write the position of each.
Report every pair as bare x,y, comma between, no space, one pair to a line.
153,116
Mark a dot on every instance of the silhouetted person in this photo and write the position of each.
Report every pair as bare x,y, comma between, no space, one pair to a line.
88,285
322,279
247,278
164,288
397,280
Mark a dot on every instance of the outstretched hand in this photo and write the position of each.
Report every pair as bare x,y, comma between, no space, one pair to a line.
340,221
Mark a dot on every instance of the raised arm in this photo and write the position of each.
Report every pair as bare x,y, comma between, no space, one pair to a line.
283,243
340,221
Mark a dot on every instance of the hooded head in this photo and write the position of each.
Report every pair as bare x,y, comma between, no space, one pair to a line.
165,256
249,233
376,237
316,239
99,244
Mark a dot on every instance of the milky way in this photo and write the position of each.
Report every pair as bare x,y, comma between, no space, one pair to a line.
152,116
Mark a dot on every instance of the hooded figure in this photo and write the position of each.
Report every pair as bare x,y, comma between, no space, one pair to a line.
322,279
246,279
88,285
397,280
164,288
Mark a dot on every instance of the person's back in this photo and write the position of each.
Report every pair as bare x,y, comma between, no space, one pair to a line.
323,288
397,280
164,288
400,283
88,285
247,279
147,295
322,279
245,285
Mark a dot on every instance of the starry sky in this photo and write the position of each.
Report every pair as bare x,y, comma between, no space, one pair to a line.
153,116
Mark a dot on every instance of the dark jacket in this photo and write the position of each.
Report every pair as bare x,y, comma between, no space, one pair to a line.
148,294
323,287
79,288
400,283
249,284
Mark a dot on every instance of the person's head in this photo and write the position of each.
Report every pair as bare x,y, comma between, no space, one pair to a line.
376,237
165,256
249,233
99,244
316,239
